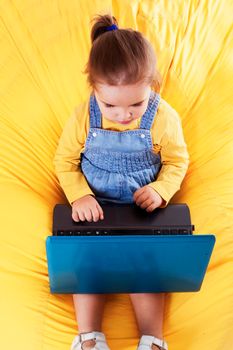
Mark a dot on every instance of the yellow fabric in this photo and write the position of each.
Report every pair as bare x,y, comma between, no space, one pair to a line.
44,47
167,139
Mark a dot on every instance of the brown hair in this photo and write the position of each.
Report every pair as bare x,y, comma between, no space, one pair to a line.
120,57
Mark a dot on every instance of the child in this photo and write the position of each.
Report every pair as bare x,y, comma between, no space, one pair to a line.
125,144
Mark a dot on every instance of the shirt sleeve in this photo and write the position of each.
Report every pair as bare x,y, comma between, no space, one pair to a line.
174,154
68,156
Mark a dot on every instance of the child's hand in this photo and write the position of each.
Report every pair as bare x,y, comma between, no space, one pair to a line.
87,208
147,198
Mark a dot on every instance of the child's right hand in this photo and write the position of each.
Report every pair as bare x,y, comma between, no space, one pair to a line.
87,208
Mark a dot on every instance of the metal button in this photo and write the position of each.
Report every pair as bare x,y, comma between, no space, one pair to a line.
94,134
142,136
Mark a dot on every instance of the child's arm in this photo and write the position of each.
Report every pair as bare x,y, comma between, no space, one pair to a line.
67,156
168,139
174,155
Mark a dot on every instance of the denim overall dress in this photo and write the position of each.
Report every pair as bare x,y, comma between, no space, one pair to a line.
117,163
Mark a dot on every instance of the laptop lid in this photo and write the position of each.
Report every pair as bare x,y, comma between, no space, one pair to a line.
121,219
129,264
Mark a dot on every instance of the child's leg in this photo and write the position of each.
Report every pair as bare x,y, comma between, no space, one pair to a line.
89,312
149,308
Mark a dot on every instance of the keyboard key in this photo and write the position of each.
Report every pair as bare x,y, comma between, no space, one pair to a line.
157,232
105,232
77,233
183,231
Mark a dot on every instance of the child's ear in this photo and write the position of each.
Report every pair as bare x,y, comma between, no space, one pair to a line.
157,82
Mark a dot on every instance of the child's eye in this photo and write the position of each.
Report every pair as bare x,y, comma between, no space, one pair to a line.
107,105
137,104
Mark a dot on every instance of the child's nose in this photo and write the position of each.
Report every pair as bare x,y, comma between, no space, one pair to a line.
125,115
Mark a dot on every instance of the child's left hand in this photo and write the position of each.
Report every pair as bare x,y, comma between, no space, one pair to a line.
147,198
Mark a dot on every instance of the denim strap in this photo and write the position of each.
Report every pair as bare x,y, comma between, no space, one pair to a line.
95,114
149,115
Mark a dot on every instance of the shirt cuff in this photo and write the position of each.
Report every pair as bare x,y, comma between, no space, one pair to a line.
159,188
79,194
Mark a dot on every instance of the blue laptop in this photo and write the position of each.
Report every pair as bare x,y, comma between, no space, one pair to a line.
130,251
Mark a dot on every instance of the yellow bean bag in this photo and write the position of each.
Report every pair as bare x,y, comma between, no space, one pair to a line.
44,47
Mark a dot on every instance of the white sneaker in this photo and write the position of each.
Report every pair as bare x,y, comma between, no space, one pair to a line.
146,342
99,338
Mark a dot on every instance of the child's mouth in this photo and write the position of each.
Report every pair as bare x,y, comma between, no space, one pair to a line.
126,122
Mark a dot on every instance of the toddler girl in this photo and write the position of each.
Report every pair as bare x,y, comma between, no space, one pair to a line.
124,144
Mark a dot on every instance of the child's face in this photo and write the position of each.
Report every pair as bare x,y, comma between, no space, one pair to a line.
122,103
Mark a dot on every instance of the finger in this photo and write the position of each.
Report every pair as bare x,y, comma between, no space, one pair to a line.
81,215
88,214
101,212
146,203
151,207
75,216
95,213
137,193
142,198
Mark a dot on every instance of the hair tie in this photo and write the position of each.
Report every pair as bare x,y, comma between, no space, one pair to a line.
112,27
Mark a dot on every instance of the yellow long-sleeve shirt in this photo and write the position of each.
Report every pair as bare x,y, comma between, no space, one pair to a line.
167,138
